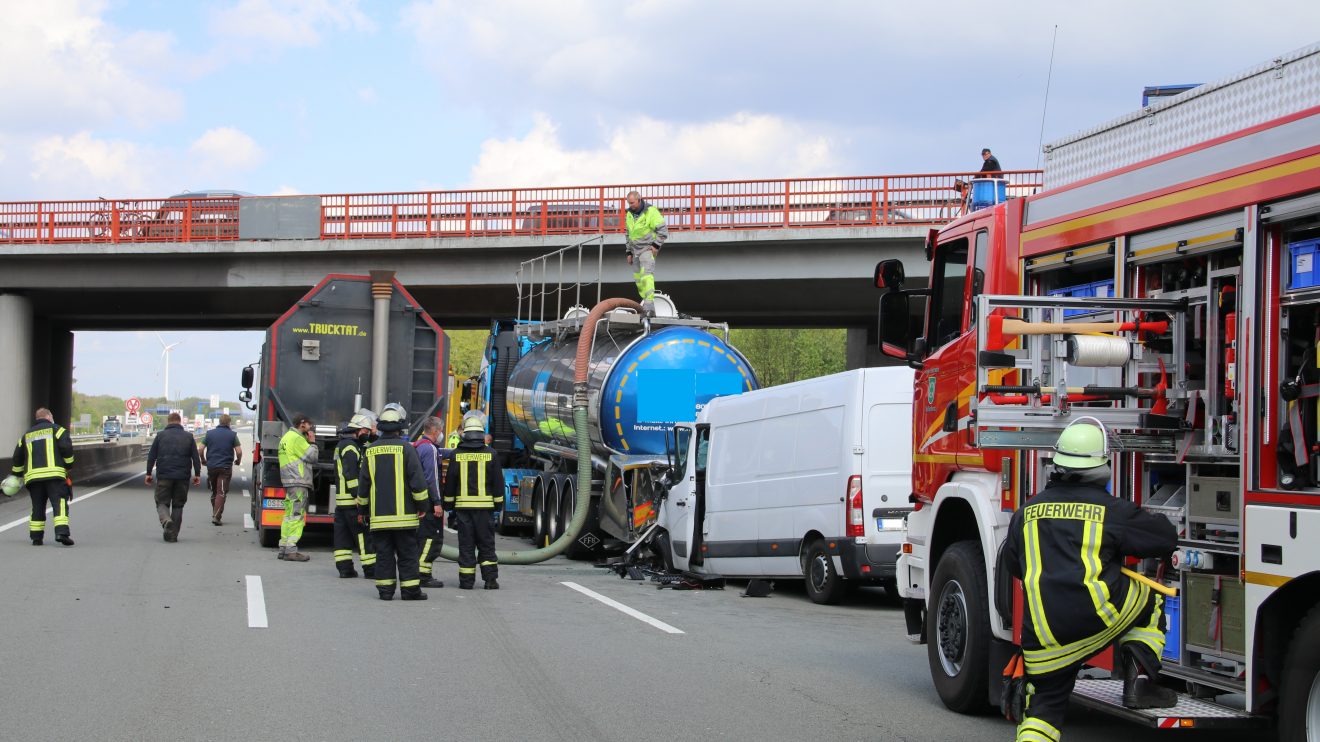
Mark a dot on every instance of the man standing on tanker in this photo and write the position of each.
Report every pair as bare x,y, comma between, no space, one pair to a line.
647,231
1067,545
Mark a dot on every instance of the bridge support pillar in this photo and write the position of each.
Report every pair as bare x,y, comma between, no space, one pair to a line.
863,350
16,329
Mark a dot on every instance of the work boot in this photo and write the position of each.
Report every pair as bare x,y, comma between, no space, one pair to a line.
65,539
348,571
431,581
491,585
1139,692
413,594
296,556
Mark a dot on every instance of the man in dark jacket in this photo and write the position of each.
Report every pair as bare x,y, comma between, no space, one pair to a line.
1067,545
173,454
42,458
474,492
431,529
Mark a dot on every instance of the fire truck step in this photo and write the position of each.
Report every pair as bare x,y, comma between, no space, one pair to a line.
1107,696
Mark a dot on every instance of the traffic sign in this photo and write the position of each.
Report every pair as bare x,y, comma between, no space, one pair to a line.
145,418
133,404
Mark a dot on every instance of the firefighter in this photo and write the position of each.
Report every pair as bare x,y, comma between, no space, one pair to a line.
348,463
396,498
647,232
42,458
1067,545
298,455
474,494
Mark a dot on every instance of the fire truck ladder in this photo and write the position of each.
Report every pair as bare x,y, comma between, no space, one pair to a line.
1075,358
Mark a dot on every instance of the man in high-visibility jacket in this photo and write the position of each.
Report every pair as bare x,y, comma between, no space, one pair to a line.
474,493
348,532
647,232
298,457
42,458
396,498
1067,545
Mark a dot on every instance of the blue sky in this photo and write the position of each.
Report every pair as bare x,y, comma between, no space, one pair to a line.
143,99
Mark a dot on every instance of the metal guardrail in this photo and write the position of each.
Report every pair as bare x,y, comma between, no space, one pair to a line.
878,200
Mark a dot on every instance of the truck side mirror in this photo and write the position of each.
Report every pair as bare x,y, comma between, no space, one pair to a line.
248,377
889,275
896,325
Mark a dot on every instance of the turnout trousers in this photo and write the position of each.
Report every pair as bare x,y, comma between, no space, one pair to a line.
430,537
1048,694
476,541
349,535
52,493
396,560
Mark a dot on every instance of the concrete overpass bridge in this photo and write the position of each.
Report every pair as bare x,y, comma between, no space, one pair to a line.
785,253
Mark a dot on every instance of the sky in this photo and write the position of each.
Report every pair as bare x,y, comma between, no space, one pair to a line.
144,99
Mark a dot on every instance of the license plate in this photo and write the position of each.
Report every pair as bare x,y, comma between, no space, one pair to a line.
272,504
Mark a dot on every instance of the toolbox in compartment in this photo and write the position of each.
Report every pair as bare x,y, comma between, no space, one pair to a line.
1303,273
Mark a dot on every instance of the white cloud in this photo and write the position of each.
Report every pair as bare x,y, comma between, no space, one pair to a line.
64,69
266,24
647,150
226,148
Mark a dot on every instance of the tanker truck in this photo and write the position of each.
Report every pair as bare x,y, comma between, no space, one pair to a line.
351,341
644,375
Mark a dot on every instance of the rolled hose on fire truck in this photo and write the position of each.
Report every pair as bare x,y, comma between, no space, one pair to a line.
582,438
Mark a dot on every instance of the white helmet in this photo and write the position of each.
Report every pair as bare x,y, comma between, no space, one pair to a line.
11,485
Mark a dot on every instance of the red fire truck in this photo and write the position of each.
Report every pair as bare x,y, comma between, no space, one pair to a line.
1166,283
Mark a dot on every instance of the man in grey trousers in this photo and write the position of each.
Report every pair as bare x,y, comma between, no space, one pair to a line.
173,454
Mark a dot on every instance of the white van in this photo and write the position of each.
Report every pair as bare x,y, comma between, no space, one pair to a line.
808,480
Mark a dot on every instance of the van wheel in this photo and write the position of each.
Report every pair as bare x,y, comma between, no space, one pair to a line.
958,629
824,585
1299,698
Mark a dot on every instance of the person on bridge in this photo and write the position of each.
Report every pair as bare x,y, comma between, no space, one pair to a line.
474,494
349,500
647,231
1067,546
42,458
397,498
298,456
431,529
990,165
172,456
222,452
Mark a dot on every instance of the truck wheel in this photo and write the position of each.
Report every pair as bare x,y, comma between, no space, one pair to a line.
824,584
1299,698
269,538
958,629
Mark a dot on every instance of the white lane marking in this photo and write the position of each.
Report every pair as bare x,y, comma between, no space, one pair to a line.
256,601
79,498
623,608
247,521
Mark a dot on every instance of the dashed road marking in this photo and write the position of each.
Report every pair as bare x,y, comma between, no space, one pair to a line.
80,498
623,608
256,603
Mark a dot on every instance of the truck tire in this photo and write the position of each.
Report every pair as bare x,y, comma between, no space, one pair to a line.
958,629
824,583
1299,696
269,538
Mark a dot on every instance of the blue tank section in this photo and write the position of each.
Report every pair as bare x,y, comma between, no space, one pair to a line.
639,386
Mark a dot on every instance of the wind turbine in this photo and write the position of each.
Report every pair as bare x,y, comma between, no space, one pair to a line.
165,356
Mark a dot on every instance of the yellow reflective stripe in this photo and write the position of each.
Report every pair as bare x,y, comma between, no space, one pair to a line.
1031,585
1041,661
1092,536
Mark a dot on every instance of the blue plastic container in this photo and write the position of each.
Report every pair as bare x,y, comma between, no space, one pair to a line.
1303,273
988,192
1173,632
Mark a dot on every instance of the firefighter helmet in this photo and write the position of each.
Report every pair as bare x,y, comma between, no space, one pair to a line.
1084,444
11,485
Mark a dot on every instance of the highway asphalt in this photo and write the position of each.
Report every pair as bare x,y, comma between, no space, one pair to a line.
125,637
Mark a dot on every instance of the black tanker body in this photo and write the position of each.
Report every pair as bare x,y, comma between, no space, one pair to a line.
317,360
